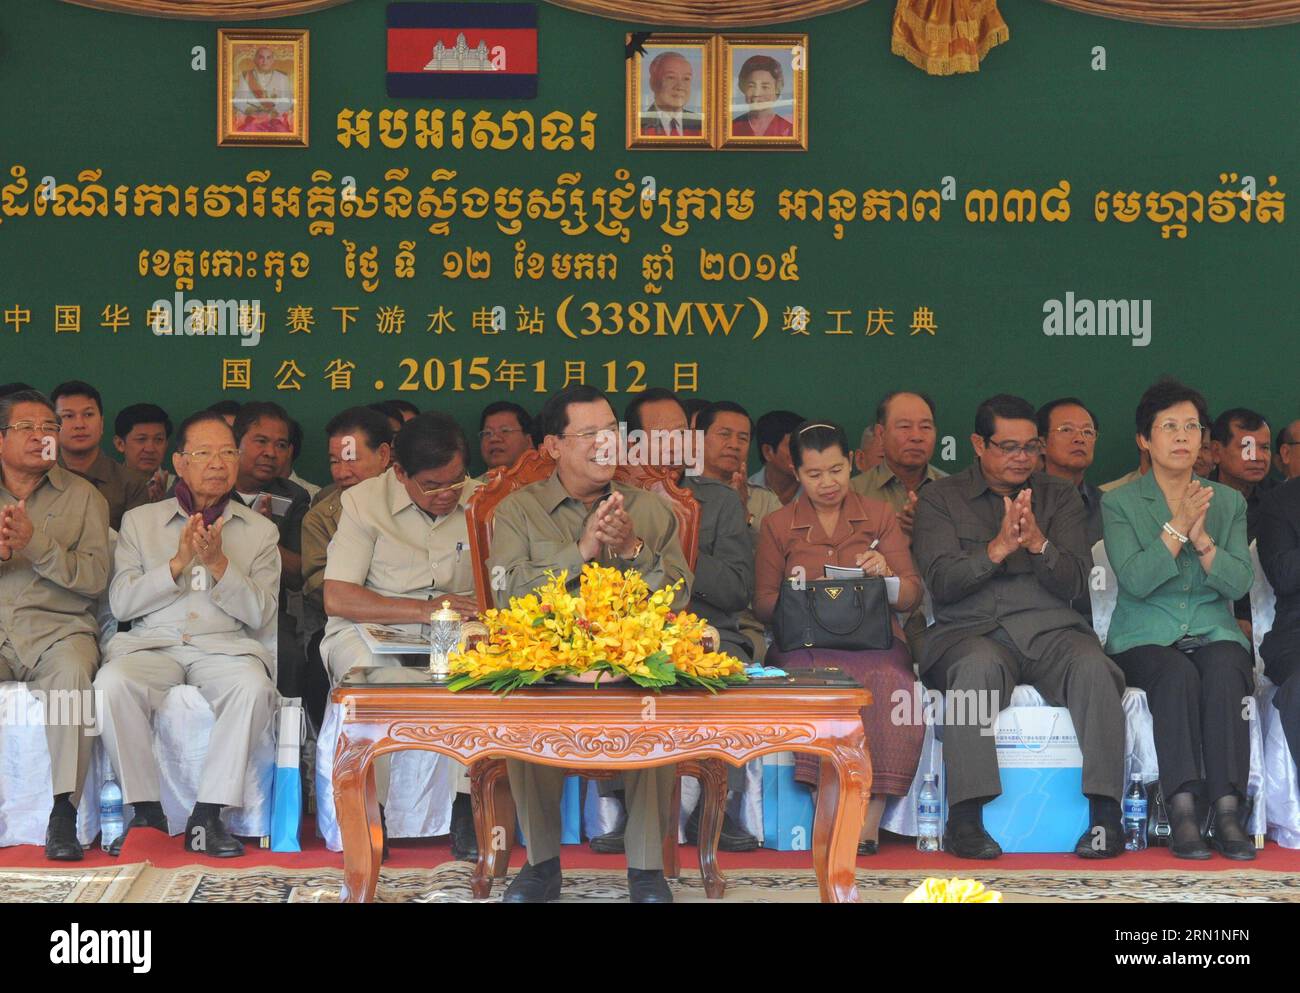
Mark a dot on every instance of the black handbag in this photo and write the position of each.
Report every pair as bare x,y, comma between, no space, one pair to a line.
849,614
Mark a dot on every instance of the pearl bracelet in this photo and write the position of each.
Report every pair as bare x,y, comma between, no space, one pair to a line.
1170,529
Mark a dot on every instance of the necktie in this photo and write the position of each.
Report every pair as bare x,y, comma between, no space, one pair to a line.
673,130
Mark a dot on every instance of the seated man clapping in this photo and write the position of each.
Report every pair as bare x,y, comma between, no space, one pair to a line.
198,575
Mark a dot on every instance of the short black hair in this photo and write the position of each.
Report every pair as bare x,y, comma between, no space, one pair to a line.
524,418
77,388
710,414
254,411
199,417
882,408
692,406
817,436
1235,417
404,406
1044,415
226,408
773,426
1164,393
8,388
554,417
632,414
393,408
361,420
429,441
1004,405
140,413
11,400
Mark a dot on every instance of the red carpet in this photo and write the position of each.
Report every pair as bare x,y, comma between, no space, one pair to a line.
895,853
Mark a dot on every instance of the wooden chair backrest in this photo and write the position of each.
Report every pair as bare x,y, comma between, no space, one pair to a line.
534,466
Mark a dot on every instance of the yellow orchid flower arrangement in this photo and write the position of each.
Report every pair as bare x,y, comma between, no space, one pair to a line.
954,890
613,625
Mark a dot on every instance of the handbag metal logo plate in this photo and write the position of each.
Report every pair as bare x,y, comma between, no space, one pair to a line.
834,592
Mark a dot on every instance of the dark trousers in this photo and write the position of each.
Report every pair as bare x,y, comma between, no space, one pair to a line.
1199,706
1072,671
1281,668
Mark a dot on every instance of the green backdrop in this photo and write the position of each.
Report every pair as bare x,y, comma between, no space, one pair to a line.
1172,110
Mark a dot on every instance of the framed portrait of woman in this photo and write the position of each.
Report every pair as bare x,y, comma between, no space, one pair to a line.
262,94
671,94
764,91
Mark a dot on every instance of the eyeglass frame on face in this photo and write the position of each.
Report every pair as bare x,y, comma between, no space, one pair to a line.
31,427
440,489
203,455
1088,433
587,437
1016,449
1190,427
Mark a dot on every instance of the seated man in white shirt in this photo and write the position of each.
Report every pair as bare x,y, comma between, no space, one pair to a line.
198,575
401,548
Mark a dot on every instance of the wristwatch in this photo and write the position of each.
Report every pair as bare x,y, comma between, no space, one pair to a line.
640,544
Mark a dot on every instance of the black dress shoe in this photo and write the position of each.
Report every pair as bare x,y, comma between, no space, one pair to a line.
648,886
536,883
141,821
464,843
1242,850
970,842
733,838
610,843
1238,845
206,835
868,847
1101,841
1196,850
61,844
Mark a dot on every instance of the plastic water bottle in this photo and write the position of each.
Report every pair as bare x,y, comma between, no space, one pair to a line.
927,815
1135,815
110,813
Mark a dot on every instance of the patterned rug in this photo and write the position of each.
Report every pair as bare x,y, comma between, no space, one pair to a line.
107,884
449,883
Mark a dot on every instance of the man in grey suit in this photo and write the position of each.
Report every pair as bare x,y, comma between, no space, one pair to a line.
1002,550
198,576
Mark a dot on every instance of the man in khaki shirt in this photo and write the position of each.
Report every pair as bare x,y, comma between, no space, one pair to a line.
360,447
906,433
401,548
577,516
53,566
81,429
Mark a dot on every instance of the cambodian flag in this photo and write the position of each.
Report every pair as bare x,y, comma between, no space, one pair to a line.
452,50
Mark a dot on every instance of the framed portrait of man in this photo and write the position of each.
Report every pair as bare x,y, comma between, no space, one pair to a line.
262,87
764,92
671,92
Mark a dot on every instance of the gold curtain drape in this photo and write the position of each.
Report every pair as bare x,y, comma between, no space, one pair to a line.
1192,13
204,10
947,36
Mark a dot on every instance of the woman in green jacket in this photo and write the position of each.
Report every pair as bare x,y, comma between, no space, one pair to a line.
1177,544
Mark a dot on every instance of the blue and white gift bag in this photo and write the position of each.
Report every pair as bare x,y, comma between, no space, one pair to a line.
286,803
787,806
1042,807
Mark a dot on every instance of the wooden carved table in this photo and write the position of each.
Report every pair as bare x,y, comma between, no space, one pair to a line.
614,727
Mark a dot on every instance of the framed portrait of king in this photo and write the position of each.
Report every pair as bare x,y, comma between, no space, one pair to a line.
671,94
763,103
262,81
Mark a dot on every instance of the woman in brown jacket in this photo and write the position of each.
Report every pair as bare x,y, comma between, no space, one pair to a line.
830,524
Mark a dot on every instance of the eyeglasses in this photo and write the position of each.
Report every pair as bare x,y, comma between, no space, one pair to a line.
587,437
1173,427
205,454
499,432
1088,434
444,488
1032,448
27,427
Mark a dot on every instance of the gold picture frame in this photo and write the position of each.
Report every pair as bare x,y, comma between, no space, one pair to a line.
677,70
763,92
262,87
